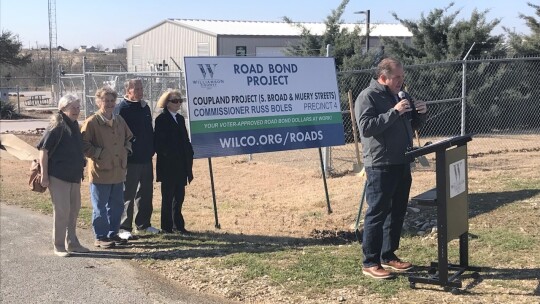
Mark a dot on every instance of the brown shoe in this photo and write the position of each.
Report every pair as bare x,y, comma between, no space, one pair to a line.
377,272
397,265
104,243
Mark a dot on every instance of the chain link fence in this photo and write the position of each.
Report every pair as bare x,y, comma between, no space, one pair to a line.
496,100
85,85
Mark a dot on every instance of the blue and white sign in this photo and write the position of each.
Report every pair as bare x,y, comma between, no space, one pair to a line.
243,105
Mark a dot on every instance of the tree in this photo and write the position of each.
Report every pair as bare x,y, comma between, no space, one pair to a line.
345,43
347,50
439,36
10,50
527,45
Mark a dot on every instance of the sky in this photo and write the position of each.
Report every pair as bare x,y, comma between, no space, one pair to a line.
110,22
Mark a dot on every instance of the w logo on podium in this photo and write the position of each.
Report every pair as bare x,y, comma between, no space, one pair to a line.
207,69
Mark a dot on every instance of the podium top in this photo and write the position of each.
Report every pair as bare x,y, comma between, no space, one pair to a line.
440,145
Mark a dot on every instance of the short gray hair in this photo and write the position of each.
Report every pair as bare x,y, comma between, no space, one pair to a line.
66,100
130,83
387,65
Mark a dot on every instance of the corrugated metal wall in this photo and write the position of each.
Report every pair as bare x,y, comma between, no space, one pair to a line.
146,51
227,44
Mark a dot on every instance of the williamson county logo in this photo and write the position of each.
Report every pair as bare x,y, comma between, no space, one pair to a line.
208,81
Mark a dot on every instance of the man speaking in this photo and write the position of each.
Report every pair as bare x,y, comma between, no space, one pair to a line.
386,123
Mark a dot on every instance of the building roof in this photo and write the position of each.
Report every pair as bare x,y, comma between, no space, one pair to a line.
274,28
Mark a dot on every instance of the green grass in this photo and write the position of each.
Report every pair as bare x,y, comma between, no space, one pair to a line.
510,284
315,268
321,268
518,183
85,216
43,205
505,240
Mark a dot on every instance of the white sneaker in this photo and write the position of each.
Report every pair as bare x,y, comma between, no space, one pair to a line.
61,252
152,230
125,235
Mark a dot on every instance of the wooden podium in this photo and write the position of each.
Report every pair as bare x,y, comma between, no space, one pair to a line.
451,199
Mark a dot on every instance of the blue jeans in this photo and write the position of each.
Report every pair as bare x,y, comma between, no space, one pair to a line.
108,205
387,195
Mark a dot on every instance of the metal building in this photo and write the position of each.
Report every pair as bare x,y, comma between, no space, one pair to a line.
163,46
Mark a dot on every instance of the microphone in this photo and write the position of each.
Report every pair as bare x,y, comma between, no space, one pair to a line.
408,115
403,95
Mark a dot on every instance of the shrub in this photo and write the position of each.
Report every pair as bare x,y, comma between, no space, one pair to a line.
7,110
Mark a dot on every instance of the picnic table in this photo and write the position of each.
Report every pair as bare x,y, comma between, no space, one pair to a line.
38,99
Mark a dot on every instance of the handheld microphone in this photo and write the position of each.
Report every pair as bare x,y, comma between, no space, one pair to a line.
402,95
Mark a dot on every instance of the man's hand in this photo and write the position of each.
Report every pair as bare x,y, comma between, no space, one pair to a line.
403,106
421,106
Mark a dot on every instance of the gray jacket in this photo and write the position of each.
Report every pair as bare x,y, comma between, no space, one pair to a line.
385,135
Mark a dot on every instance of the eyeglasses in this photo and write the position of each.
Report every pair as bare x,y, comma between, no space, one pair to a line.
176,100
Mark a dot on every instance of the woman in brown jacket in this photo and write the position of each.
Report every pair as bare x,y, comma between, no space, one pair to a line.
106,143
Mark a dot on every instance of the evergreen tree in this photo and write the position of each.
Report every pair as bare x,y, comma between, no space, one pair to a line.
10,49
345,44
439,36
527,45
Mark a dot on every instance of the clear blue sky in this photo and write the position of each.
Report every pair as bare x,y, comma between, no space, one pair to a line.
110,22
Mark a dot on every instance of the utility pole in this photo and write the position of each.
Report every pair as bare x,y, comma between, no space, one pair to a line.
52,45
367,13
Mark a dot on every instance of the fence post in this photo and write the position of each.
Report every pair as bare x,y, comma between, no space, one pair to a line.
358,166
85,93
464,92
327,151
18,101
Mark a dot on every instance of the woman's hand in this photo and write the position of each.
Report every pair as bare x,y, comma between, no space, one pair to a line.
44,180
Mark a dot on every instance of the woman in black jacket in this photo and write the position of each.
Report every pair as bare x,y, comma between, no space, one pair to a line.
174,160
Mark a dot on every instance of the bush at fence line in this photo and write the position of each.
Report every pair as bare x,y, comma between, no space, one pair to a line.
7,110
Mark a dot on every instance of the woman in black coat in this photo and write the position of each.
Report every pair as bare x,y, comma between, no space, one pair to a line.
174,160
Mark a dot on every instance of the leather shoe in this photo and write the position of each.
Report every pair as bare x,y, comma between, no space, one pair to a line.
377,272
397,265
